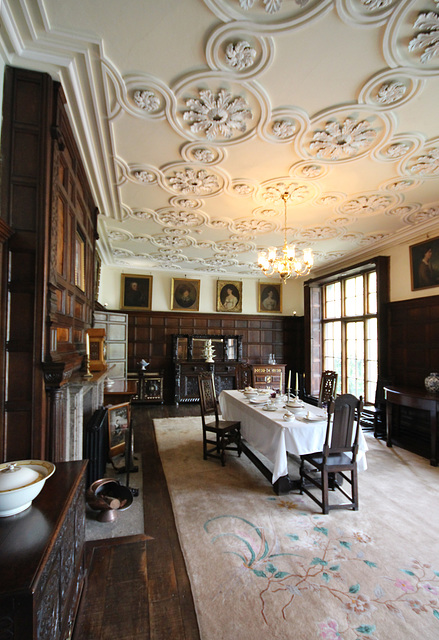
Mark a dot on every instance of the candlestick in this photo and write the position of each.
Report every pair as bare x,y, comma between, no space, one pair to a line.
87,373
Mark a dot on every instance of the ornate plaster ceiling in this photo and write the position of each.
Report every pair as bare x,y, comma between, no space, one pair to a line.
194,116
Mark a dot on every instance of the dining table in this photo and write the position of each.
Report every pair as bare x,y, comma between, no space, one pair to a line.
265,431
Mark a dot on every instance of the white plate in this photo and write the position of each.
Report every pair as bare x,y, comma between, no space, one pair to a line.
258,400
269,408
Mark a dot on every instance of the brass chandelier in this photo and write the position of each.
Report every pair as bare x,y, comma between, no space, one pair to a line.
284,261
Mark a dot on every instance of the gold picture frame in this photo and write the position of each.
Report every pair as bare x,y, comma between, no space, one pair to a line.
229,296
424,264
118,425
135,292
185,294
269,297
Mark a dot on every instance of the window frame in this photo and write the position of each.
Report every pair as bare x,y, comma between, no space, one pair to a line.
315,302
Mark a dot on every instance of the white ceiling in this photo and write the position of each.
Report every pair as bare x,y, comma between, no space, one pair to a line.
193,116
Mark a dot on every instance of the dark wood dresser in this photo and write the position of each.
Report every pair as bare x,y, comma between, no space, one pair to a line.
42,560
269,375
190,361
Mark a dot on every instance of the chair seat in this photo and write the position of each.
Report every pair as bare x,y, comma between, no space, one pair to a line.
338,460
224,425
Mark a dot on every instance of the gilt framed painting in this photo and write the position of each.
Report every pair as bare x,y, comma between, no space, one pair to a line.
185,294
228,296
424,264
136,292
269,297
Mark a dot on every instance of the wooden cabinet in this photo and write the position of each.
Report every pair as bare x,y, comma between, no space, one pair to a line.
41,560
189,362
269,375
150,387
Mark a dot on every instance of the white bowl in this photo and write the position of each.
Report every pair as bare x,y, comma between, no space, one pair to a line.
20,484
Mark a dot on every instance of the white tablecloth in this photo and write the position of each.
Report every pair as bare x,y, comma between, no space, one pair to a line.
267,432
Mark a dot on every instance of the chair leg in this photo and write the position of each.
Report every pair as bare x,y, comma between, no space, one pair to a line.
325,492
355,489
223,451
204,446
302,479
239,442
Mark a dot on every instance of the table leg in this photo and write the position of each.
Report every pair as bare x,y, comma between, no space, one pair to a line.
389,408
283,485
433,430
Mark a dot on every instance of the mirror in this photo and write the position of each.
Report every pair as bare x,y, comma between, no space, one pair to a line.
188,348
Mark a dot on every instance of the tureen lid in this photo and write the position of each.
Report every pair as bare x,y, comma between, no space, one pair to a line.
15,476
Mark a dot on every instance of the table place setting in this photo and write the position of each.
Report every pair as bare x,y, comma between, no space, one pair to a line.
311,417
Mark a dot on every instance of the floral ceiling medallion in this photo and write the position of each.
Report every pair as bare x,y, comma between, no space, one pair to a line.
427,165
339,141
428,38
240,56
391,92
146,100
195,182
217,116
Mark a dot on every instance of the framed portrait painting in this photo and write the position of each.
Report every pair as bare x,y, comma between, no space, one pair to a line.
269,297
229,296
136,292
185,294
424,264
118,425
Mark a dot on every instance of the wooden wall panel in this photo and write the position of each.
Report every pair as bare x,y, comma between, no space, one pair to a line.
45,200
413,344
150,337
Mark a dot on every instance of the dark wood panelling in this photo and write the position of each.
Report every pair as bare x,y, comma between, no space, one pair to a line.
413,344
150,337
46,201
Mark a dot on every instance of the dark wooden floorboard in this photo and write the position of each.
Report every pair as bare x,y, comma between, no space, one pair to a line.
138,587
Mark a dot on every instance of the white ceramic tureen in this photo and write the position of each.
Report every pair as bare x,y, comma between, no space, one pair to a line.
20,483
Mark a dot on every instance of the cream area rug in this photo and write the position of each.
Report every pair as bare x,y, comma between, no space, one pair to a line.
268,567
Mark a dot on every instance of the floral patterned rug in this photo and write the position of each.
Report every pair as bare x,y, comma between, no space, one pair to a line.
272,567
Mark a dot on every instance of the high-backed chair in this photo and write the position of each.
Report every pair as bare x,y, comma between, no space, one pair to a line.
373,416
339,455
219,435
244,375
328,386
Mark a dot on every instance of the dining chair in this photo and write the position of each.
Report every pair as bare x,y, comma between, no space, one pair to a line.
337,462
219,435
373,416
244,375
328,386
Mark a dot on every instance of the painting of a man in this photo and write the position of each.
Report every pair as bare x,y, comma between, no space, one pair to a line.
425,264
136,292
185,294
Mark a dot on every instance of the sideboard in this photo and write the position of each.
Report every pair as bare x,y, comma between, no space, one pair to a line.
42,560
397,397
269,376
190,361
